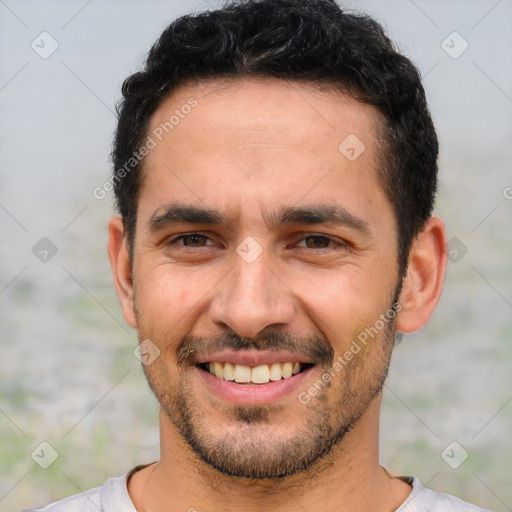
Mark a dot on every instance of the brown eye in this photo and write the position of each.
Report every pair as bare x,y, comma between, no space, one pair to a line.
192,240
322,243
317,242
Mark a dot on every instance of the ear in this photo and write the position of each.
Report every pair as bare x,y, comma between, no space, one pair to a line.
423,283
121,268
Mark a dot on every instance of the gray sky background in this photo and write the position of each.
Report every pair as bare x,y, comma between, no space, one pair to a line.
69,376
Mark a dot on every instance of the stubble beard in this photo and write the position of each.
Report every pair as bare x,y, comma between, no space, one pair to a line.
261,447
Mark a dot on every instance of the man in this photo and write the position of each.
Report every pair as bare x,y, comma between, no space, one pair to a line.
275,173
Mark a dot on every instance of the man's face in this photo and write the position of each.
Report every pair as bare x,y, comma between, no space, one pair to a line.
264,280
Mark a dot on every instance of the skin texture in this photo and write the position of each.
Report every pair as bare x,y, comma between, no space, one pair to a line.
248,149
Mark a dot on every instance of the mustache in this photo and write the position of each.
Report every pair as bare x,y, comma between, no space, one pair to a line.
314,347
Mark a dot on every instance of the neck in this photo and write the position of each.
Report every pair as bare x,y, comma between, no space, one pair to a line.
349,478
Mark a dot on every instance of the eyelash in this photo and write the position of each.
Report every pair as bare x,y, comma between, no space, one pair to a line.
340,243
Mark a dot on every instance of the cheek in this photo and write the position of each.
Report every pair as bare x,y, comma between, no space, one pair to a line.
166,294
348,307
337,298
169,302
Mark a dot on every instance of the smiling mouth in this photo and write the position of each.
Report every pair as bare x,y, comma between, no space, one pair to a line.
262,374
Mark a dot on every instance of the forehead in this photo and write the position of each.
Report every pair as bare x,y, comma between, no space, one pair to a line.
261,108
272,141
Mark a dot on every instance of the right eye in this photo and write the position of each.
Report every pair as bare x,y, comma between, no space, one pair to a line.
190,240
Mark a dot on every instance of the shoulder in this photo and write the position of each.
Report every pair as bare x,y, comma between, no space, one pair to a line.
422,499
85,501
99,499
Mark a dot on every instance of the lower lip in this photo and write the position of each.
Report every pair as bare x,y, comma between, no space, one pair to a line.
253,394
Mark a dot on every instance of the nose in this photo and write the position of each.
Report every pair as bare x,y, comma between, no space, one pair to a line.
251,298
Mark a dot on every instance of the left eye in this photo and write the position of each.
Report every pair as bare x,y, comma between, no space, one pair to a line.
316,242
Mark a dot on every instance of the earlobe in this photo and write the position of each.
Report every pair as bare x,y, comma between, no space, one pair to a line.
424,279
121,268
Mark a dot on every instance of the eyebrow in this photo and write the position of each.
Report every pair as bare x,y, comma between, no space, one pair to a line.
181,214
319,214
335,215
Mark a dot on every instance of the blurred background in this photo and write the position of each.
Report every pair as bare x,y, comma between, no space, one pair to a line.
69,376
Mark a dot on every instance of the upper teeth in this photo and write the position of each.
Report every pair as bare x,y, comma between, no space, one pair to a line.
256,374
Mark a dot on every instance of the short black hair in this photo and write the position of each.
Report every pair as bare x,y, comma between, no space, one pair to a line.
308,40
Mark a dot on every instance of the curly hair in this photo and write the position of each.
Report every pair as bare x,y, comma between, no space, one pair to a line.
308,40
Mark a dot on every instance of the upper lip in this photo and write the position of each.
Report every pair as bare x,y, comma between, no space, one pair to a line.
252,357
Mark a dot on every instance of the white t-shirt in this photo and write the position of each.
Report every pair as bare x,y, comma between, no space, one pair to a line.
113,497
